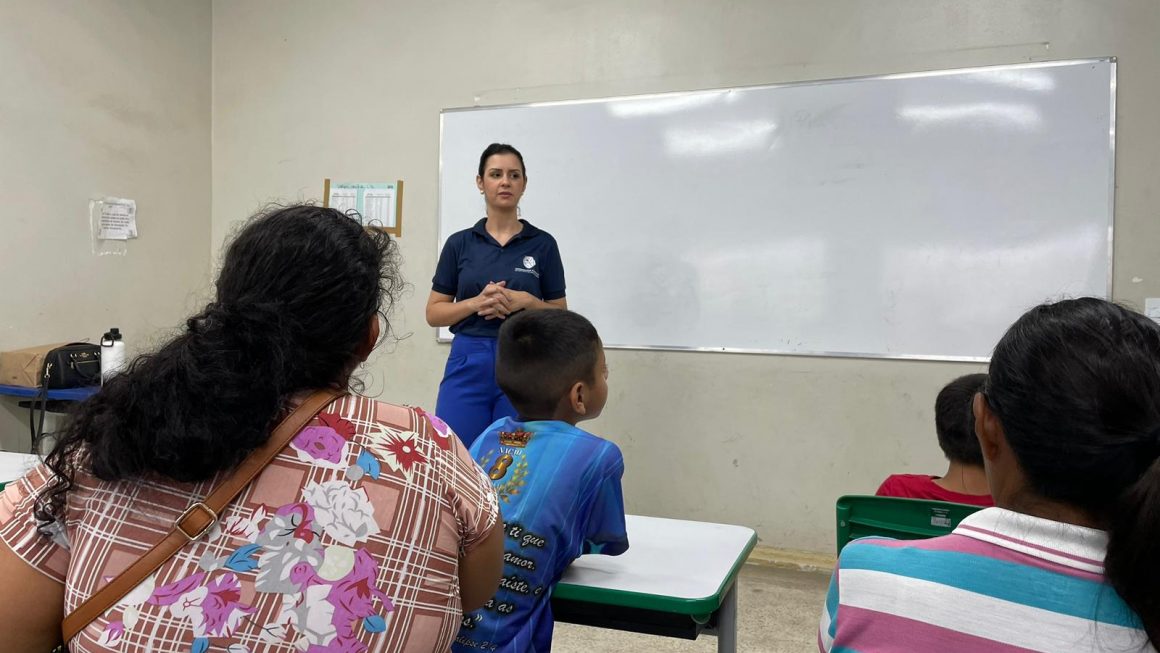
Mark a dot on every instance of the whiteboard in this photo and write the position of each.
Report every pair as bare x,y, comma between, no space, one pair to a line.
902,216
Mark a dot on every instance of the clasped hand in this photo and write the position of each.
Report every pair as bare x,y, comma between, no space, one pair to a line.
497,301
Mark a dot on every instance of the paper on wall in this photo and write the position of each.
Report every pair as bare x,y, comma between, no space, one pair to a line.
1152,308
344,199
118,219
379,206
376,204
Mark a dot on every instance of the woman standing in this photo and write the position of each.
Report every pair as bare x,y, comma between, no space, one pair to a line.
499,266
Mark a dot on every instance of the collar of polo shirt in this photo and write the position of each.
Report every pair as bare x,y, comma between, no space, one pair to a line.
527,232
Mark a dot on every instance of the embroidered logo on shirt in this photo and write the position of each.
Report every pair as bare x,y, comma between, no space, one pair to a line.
514,438
509,474
529,262
499,469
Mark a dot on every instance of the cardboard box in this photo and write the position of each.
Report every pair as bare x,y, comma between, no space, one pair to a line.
23,366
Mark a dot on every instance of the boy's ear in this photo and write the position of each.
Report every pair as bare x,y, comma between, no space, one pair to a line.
576,398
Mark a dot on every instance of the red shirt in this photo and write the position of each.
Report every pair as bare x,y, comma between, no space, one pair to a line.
921,486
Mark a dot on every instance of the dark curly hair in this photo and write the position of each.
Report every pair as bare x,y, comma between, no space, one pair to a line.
298,288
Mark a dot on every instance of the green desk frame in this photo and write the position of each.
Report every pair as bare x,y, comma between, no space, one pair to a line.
678,579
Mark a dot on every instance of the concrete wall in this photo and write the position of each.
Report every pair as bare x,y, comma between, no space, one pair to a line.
352,90
101,98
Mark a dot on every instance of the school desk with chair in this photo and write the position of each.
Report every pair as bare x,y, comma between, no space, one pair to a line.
677,579
898,518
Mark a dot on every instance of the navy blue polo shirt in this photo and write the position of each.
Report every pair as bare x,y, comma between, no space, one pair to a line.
471,259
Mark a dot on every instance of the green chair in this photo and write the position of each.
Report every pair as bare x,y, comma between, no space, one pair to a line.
902,519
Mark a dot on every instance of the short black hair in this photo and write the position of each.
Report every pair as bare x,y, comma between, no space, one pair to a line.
954,419
500,148
541,354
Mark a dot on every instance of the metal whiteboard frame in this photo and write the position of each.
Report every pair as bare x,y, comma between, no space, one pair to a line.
912,75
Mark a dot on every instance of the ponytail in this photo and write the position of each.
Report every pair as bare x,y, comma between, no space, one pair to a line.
167,415
1132,564
298,289
1076,385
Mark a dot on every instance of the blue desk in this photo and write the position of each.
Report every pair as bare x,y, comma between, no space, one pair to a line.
64,394
58,400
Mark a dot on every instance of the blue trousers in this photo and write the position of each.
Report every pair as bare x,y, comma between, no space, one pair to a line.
469,399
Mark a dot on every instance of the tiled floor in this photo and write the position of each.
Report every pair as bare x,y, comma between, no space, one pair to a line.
778,613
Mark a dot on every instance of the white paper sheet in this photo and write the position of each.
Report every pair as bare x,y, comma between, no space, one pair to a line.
344,199
118,219
379,207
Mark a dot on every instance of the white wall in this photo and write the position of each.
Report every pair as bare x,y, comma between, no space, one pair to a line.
100,97
352,90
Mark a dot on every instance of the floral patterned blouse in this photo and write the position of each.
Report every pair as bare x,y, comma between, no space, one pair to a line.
347,542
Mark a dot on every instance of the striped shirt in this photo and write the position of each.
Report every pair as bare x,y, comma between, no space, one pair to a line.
1001,582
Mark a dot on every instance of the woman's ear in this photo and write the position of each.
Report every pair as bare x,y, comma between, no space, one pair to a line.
479,183
368,345
988,428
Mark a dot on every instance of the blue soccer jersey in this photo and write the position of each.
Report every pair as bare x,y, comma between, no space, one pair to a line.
559,491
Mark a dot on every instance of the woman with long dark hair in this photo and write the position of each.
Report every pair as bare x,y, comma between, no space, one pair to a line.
372,530
1069,424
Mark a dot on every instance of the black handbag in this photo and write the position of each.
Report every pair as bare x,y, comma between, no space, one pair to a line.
75,365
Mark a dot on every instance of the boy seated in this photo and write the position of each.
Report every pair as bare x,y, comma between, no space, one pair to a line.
965,480
558,486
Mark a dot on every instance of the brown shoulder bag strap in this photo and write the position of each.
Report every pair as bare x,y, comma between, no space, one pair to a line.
199,518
